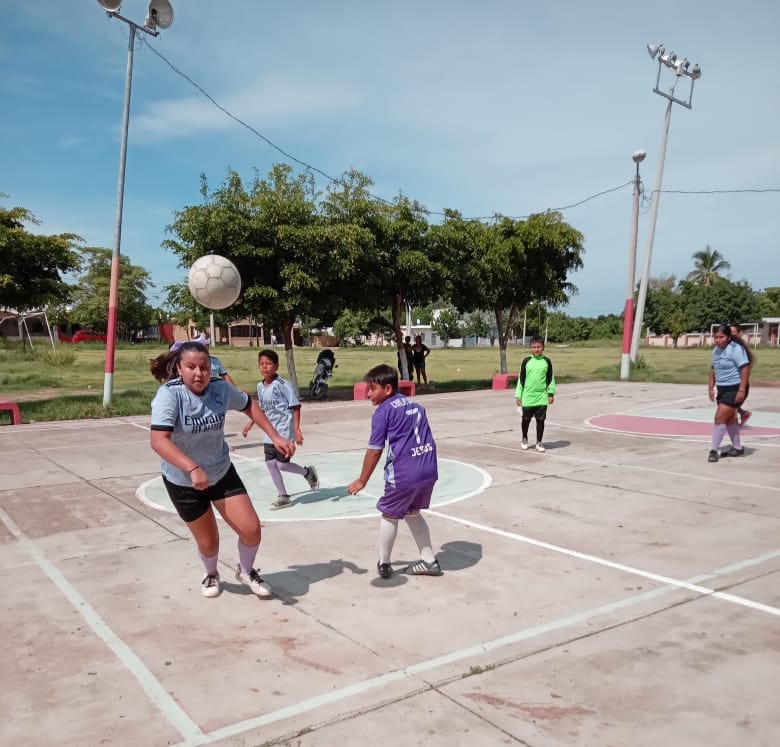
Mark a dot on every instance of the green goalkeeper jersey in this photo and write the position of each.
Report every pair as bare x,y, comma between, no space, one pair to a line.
536,381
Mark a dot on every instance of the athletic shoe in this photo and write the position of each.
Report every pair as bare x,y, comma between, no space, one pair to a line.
282,501
210,585
745,417
421,568
312,478
255,582
713,457
540,446
385,570
524,444
732,452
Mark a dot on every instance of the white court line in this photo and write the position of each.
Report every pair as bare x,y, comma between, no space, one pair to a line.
703,590
373,683
167,706
621,465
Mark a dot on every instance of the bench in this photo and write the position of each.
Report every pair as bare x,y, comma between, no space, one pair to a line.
504,381
360,390
16,416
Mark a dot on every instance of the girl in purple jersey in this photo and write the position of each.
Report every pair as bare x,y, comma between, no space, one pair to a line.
410,470
187,431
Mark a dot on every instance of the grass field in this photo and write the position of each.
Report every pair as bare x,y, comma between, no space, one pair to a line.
52,391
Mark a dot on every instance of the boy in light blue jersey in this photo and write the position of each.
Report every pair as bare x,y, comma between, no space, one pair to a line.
411,469
278,400
187,431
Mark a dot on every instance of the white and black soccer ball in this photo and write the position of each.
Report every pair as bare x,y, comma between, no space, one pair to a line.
214,282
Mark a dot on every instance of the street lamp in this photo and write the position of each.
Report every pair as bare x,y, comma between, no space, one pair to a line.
682,69
160,16
628,310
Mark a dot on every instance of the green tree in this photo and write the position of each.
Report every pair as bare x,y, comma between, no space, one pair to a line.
394,268
718,303
479,324
447,325
90,297
293,263
708,264
678,325
661,305
32,265
507,264
351,326
605,327
770,301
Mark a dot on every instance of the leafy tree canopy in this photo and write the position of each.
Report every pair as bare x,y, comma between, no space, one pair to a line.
32,265
90,297
709,264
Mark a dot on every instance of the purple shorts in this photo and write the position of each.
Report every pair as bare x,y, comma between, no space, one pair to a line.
397,502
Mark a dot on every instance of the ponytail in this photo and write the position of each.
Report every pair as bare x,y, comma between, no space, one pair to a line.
164,367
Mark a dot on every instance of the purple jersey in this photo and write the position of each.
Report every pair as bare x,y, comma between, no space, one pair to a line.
411,450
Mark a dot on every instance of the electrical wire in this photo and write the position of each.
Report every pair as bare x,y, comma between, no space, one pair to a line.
646,199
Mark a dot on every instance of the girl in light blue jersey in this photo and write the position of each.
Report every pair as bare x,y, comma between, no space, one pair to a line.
730,378
187,431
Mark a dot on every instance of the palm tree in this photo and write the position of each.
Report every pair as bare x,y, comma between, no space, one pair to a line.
708,264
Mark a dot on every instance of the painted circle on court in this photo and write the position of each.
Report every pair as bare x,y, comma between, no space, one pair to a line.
457,481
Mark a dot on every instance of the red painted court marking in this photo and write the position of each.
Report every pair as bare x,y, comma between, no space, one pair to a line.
667,426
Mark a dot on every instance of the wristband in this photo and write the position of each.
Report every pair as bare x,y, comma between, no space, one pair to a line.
192,469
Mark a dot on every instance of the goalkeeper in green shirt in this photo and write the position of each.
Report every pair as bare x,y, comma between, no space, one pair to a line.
535,390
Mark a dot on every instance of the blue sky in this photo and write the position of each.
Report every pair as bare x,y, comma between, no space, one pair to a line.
493,106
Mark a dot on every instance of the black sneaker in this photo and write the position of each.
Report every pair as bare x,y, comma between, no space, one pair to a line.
733,452
385,570
312,478
713,457
421,568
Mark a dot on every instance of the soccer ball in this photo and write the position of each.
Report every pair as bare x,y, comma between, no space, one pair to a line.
214,282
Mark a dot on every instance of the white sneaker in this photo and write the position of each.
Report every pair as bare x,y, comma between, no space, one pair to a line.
524,444
539,446
255,582
210,585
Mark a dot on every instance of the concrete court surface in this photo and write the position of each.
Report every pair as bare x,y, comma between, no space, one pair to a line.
615,590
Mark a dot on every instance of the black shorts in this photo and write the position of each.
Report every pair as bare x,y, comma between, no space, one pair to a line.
539,412
191,504
271,453
727,395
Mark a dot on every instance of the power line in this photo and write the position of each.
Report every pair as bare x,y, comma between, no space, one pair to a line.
334,180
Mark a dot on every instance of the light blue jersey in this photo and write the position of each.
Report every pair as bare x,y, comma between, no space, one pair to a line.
198,425
727,363
278,400
217,369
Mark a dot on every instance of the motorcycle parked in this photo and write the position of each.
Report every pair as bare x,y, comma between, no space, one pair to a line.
318,386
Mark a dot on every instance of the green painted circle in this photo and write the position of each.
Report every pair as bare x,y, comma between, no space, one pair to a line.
457,481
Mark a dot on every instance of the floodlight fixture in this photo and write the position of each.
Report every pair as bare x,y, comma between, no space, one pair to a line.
111,6
682,69
160,15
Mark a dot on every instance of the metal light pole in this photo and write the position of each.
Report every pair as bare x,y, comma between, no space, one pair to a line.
682,69
628,310
160,15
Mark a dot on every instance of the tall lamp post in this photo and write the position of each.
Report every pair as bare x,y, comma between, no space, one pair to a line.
628,310
682,69
160,16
